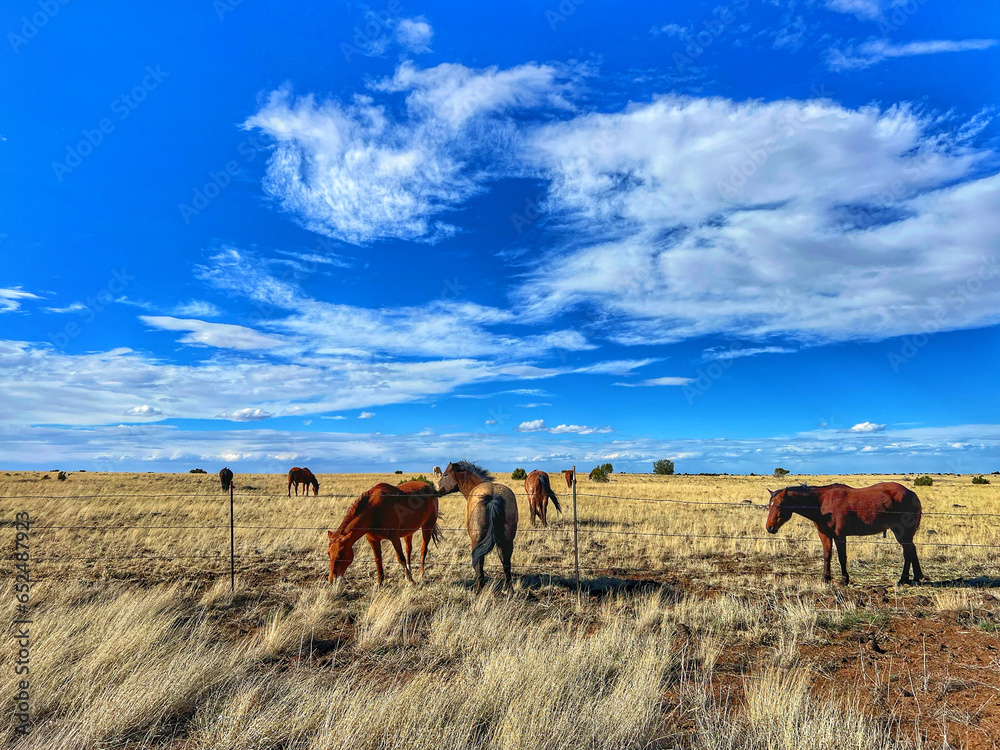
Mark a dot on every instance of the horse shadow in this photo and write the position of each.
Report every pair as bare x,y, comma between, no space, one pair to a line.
599,586
978,582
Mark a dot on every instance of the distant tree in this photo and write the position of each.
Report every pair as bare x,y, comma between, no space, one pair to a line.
779,472
980,480
197,471
62,477
923,481
607,468
421,478
663,466
398,471
519,474
598,474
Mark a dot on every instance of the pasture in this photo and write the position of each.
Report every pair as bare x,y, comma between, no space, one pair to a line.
697,629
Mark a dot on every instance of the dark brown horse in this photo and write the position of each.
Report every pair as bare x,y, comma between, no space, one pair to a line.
569,478
305,477
226,477
386,512
539,490
840,511
490,515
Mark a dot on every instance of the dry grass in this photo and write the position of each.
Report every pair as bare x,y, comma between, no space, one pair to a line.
680,642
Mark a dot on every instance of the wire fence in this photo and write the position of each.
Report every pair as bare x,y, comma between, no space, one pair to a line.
584,528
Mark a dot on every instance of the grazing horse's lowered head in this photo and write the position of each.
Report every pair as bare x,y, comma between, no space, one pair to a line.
226,477
341,554
779,509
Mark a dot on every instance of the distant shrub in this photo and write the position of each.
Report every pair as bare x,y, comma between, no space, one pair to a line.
62,477
663,466
598,474
980,480
197,471
519,474
779,472
421,478
923,481
608,468
398,471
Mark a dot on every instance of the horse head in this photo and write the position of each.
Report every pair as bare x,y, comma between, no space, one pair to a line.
778,511
341,554
445,483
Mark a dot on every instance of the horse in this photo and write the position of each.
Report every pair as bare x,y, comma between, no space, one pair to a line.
490,515
840,511
302,476
226,477
539,490
569,478
386,512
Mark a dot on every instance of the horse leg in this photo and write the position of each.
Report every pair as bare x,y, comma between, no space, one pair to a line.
918,574
480,576
505,554
377,550
827,549
427,532
408,546
402,560
545,511
909,555
842,557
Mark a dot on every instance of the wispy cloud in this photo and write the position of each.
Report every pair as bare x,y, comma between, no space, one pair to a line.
415,34
246,414
538,425
714,354
866,427
669,380
10,299
366,415
220,335
875,51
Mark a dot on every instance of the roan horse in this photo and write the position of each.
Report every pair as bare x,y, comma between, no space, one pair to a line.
490,514
539,490
305,477
386,512
226,477
840,511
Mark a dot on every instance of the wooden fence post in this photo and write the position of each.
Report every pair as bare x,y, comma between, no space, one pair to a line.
232,543
576,541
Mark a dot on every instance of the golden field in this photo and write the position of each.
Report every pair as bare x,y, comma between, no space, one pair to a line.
696,628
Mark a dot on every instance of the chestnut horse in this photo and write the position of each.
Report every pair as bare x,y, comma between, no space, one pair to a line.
226,477
490,515
840,511
569,478
305,477
386,512
539,490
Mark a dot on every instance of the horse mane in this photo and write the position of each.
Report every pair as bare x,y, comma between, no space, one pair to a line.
471,467
358,507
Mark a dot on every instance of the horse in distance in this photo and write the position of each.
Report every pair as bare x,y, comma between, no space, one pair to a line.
226,477
490,515
839,511
539,491
386,512
304,477
568,474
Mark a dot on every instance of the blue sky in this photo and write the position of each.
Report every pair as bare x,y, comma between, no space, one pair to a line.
368,236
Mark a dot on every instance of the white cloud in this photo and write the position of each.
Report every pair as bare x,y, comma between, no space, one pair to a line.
711,355
674,30
366,415
221,335
802,220
865,9
10,299
246,414
145,410
70,308
415,34
490,422
875,51
357,173
867,427
669,380
535,425
196,309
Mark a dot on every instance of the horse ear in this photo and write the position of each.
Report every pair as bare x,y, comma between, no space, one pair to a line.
770,491
331,535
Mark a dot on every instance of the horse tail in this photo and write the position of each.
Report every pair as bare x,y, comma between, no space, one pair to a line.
436,535
496,533
553,498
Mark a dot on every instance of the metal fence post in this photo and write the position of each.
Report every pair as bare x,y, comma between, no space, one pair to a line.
232,543
576,541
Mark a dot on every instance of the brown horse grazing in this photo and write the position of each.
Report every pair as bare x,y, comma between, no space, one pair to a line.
305,477
840,511
226,477
536,484
490,515
386,512
569,478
